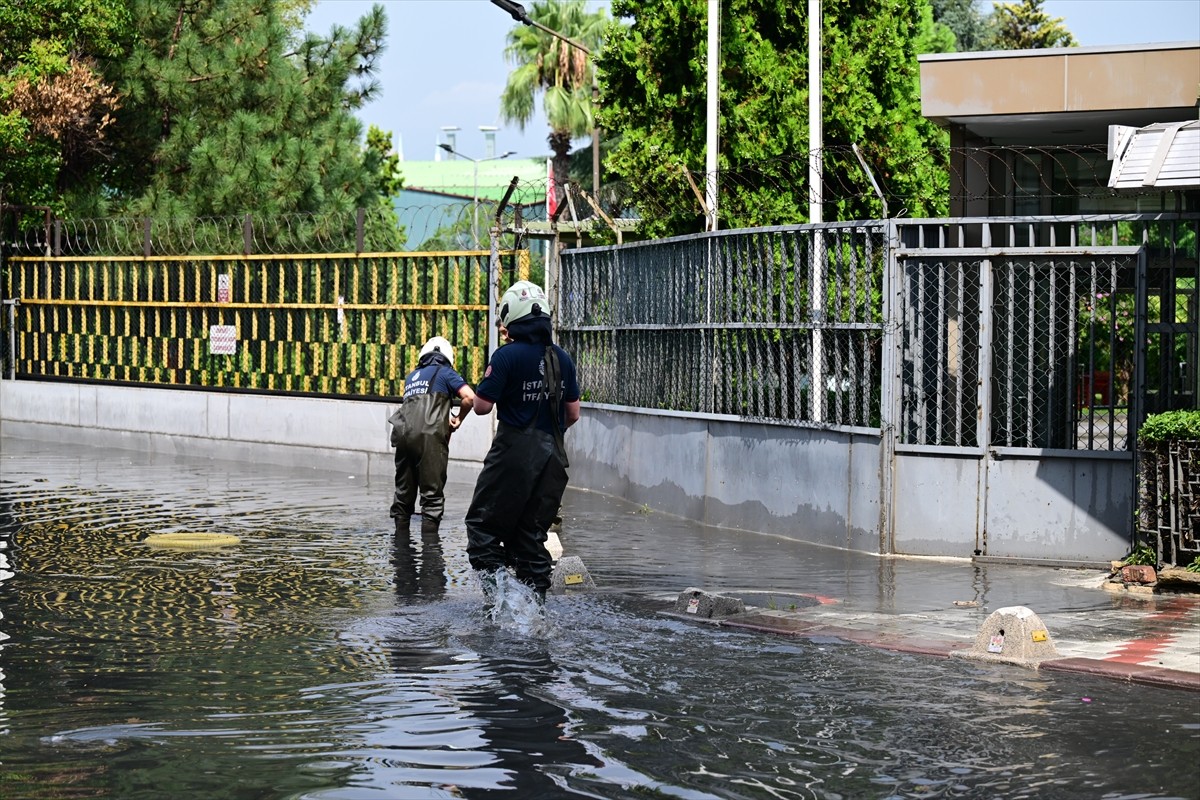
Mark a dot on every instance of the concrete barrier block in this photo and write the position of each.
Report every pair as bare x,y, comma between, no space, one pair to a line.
1013,635
706,605
570,575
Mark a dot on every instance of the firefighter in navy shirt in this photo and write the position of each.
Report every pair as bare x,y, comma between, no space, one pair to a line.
532,384
421,431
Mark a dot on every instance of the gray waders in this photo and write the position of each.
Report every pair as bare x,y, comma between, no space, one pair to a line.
421,435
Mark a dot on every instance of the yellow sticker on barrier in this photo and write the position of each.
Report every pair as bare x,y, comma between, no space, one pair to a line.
1039,636
572,579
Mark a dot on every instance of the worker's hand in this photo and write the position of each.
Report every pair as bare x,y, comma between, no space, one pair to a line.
455,421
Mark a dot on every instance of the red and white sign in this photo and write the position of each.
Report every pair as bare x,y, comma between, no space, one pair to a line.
551,189
223,288
222,340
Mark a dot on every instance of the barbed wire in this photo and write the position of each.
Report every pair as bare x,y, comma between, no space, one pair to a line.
870,182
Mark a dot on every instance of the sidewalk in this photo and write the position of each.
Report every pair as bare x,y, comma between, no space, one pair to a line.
1163,650
931,606
1154,641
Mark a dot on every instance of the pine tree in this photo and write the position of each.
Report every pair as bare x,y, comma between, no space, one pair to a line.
225,111
1026,26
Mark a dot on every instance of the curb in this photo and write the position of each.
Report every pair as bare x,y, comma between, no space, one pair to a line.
780,623
1133,673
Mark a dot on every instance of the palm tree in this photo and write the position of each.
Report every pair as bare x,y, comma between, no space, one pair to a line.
562,73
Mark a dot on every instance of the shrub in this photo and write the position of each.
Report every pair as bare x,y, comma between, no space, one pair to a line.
1170,425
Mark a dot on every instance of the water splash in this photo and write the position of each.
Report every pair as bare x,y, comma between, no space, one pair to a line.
513,605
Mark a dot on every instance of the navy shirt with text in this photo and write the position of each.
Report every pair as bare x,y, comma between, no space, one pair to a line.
513,381
445,381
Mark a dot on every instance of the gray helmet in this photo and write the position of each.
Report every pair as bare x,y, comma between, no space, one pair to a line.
523,299
440,345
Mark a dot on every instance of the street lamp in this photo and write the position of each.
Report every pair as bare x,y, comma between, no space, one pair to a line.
517,12
475,192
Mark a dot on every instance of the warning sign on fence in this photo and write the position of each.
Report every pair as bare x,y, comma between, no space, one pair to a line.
223,288
222,340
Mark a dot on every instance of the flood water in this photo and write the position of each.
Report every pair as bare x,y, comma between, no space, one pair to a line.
315,660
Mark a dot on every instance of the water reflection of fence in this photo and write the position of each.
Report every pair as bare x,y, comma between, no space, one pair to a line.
336,324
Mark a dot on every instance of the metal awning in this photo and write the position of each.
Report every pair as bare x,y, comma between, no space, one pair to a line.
1165,155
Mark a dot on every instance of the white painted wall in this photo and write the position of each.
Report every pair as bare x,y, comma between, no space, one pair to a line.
338,435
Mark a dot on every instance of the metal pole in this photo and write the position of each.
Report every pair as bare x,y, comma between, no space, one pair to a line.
595,137
475,202
815,131
714,88
815,212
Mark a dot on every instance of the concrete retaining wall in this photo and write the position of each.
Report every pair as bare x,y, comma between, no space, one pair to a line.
348,436
809,484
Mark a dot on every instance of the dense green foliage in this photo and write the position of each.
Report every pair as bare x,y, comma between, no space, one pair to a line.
970,25
653,83
1170,425
168,110
1021,25
563,75
231,112
56,106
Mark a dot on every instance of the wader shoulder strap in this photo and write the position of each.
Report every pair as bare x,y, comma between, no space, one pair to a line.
552,381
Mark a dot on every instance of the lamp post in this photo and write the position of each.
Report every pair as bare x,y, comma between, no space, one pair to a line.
517,12
475,191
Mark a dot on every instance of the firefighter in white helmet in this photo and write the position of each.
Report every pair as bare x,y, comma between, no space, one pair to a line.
421,430
531,382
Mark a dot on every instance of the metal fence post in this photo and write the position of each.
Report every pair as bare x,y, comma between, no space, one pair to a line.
889,390
10,361
1137,407
360,238
816,313
493,284
247,234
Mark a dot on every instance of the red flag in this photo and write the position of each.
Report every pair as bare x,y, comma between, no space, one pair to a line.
551,189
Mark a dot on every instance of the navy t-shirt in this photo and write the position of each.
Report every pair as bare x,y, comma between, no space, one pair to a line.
445,381
513,381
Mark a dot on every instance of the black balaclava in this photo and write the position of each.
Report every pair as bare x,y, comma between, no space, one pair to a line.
433,357
535,330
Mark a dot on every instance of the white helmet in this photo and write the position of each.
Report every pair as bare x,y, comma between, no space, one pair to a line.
440,345
523,299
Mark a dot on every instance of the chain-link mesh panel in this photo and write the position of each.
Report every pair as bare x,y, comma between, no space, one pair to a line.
745,323
939,340
340,325
1061,346
1059,324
